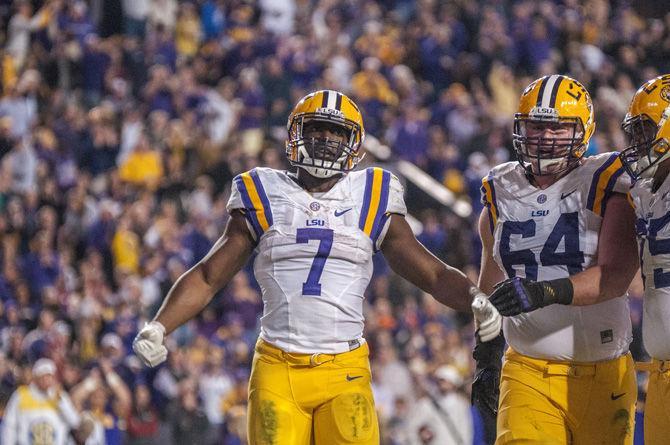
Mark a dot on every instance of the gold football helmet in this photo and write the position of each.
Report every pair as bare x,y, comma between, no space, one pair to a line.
553,125
646,129
325,157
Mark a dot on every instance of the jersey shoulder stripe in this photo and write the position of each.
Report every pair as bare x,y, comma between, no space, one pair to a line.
504,182
609,190
256,203
375,201
489,199
602,183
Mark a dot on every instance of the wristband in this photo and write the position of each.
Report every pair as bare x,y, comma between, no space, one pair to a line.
560,291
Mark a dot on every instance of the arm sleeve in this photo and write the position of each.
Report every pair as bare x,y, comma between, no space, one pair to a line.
235,200
235,203
609,178
623,182
396,204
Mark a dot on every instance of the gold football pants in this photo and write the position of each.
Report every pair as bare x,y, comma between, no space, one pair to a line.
549,402
303,399
657,405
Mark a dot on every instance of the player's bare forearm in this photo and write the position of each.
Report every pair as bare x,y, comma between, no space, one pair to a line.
489,272
412,261
188,296
195,288
600,283
617,257
452,288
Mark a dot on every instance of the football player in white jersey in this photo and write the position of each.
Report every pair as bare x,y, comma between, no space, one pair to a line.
646,159
314,233
557,226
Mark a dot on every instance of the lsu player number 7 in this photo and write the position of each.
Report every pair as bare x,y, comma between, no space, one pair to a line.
647,127
558,229
314,232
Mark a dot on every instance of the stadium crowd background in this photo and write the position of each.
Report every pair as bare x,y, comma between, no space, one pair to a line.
122,124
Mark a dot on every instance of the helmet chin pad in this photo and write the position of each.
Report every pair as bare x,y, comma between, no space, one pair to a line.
320,173
545,166
320,168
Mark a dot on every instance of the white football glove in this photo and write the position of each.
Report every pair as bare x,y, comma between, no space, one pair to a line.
488,320
148,344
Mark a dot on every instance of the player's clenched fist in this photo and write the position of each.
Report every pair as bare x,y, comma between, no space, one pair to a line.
488,320
148,344
516,295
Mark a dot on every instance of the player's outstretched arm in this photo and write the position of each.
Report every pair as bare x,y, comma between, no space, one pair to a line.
195,288
412,261
490,273
608,278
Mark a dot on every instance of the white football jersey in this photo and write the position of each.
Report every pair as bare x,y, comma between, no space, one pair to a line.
314,253
653,216
553,233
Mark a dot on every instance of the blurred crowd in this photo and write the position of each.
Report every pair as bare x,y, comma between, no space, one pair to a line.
122,123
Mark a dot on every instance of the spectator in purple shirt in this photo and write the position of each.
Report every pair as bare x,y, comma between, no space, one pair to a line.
195,241
251,118
409,136
437,56
158,92
539,43
40,267
76,22
100,233
161,48
434,235
95,62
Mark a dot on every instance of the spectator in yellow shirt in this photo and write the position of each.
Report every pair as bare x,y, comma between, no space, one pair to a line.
126,247
370,83
144,166
188,31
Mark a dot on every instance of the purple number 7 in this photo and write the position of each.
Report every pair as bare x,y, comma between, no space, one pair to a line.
325,237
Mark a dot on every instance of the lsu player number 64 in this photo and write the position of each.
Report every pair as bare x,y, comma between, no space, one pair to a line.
314,232
557,226
647,126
